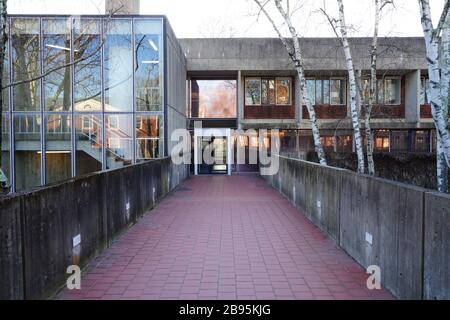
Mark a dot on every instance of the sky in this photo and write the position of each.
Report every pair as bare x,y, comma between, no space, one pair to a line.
238,18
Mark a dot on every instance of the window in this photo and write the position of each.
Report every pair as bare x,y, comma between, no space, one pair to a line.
148,71
4,165
118,66
57,52
88,143
58,161
27,153
119,135
252,92
338,92
326,91
382,140
392,91
388,91
268,91
424,91
283,91
311,90
25,55
5,78
213,99
149,138
87,50
327,142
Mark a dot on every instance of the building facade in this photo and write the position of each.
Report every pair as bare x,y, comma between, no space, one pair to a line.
97,99
107,92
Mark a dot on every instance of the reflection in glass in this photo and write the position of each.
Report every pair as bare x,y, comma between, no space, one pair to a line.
87,50
118,66
338,91
213,99
268,91
57,87
311,90
58,148
392,91
326,92
88,143
252,92
5,148
424,91
27,153
5,81
148,73
283,91
149,138
118,144
25,55
319,92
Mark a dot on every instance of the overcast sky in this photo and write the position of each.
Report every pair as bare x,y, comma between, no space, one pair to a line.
237,18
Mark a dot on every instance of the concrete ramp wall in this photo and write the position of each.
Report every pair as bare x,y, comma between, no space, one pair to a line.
403,229
37,228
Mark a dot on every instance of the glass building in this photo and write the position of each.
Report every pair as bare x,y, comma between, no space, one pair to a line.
86,94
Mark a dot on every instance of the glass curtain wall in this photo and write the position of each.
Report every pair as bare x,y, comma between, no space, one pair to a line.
90,97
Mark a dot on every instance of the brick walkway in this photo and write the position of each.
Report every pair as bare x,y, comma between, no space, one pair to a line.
224,238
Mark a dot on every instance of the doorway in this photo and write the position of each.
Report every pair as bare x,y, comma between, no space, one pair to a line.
212,151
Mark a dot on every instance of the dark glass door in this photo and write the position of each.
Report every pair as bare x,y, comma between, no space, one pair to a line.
216,147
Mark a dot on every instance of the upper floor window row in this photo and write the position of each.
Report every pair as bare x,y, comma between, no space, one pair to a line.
388,91
268,91
326,91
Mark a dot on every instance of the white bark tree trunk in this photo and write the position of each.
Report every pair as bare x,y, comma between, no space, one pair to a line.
441,165
296,55
372,91
432,47
353,88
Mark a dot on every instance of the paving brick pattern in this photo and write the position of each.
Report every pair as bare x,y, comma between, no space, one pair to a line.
223,237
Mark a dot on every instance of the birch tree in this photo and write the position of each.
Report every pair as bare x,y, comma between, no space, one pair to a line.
340,29
439,79
441,166
295,53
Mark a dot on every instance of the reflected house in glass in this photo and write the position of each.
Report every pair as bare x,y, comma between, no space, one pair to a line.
98,101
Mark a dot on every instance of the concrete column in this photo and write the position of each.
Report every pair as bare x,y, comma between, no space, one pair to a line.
240,99
412,96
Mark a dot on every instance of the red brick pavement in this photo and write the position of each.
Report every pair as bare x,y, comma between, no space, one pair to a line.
223,237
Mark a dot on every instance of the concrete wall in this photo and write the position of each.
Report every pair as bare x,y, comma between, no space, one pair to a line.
409,226
37,228
254,54
175,85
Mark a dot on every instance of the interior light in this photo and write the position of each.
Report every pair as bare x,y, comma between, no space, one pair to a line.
59,47
153,45
54,152
150,61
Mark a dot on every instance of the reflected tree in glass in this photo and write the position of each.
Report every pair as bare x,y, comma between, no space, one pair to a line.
118,66
118,144
25,55
149,138
87,83
148,73
57,86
